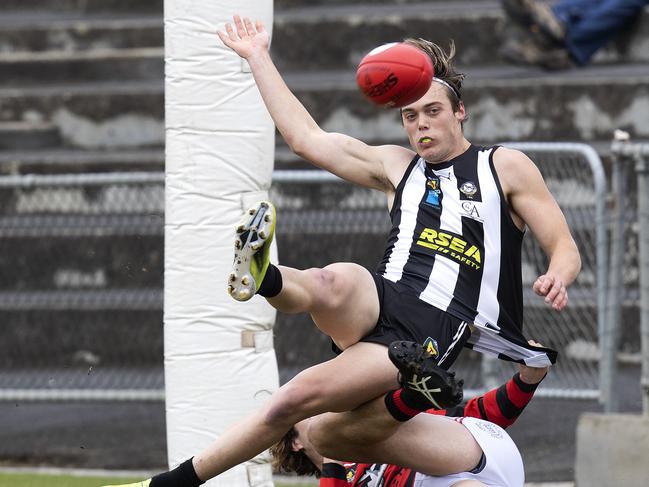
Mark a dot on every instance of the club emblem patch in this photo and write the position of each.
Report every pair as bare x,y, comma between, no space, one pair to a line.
431,346
469,188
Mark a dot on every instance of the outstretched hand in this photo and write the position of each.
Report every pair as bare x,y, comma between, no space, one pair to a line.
554,290
247,39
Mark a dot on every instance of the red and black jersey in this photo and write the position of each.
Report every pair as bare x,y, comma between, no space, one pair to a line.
501,406
366,475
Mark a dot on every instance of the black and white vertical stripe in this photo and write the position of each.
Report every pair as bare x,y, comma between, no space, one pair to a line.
482,296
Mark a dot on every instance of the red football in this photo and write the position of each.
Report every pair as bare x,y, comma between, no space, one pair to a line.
395,74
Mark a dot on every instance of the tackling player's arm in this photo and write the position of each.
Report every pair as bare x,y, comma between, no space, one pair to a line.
503,405
533,204
375,167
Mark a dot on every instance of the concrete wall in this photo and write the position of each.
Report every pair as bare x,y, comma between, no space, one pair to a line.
612,451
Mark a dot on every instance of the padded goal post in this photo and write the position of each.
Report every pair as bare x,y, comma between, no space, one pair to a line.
219,357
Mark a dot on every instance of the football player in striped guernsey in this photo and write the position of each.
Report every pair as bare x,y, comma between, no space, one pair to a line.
450,277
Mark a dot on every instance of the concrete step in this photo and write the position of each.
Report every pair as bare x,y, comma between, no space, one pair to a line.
72,264
125,299
503,104
16,136
69,161
26,68
112,114
67,32
71,338
303,40
85,5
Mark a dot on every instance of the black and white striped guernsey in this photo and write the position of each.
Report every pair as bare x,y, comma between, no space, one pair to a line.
454,244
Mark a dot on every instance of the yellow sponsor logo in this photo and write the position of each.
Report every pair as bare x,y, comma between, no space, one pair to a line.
451,246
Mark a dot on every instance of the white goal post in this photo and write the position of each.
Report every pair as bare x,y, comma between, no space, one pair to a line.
219,357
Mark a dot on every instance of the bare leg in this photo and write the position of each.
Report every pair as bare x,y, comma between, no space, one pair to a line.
341,299
360,373
340,435
369,423
430,444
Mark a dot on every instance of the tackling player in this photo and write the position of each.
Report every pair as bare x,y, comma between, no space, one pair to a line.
501,406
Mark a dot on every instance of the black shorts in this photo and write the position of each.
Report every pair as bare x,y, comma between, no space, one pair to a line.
404,316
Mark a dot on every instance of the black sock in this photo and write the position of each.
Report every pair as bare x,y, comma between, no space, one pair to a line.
272,283
183,475
404,404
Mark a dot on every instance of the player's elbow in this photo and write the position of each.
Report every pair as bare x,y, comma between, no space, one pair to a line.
298,142
564,255
299,147
577,262
576,257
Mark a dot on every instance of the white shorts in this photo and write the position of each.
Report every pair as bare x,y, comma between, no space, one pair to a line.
503,463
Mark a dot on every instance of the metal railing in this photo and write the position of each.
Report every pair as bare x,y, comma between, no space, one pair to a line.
626,153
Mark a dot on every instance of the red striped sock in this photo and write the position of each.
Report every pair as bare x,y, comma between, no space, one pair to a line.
401,407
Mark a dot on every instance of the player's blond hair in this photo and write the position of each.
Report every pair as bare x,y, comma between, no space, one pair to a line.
443,67
287,460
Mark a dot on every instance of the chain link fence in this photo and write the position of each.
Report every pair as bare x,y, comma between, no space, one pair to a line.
81,264
82,274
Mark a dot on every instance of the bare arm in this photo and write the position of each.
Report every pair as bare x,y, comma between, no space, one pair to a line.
533,203
349,158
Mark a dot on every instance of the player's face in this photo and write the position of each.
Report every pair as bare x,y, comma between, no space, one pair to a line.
434,129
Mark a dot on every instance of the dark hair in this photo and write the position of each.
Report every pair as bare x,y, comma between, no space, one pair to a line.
286,460
443,67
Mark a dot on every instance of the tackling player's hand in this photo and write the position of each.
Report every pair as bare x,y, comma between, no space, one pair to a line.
247,39
532,375
554,290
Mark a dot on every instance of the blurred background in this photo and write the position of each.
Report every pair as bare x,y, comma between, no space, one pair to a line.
82,209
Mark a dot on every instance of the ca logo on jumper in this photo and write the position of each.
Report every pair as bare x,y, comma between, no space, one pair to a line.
431,346
470,210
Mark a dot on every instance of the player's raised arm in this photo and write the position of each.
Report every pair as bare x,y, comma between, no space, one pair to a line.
342,155
531,200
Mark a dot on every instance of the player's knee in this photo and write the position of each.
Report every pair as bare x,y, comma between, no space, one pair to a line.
287,406
292,403
328,287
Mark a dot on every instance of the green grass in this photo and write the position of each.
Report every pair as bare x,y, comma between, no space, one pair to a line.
42,480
